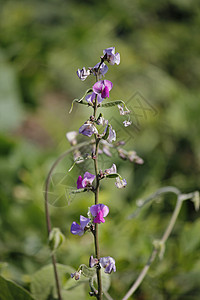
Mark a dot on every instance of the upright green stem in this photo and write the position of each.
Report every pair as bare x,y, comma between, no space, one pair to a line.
96,233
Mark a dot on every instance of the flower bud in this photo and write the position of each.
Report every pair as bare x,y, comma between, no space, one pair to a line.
56,238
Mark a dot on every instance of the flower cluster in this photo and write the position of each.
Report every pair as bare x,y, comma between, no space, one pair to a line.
85,181
97,214
101,68
104,141
108,263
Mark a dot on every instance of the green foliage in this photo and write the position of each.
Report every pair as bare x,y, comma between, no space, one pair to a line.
42,45
11,291
43,283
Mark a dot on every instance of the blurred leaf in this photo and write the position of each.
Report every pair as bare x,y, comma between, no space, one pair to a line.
43,283
11,112
190,237
106,280
11,291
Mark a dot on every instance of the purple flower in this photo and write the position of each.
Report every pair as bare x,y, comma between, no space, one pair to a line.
108,263
133,157
120,183
105,148
79,229
112,170
83,74
111,57
88,129
99,211
102,70
85,181
76,275
112,134
93,261
101,89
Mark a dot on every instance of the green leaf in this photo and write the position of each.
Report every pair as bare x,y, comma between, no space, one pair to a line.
80,100
43,283
106,280
11,291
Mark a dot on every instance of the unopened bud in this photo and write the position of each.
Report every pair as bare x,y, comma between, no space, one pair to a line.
56,238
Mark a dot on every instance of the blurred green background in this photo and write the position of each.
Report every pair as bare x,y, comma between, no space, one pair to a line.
42,44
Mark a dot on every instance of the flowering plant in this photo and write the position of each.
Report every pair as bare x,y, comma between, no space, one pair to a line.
103,141
95,98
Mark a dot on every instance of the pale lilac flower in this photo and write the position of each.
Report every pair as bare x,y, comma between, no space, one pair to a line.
76,275
122,111
99,211
108,263
127,123
106,151
102,70
80,229
83,74
85,181
122,153
88,129
133,157
101,121
111,56
112,170
112,135
120,183
93,261
90,98
106,148
71,136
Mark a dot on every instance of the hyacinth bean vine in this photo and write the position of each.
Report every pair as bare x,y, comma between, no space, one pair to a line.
95,98
102,140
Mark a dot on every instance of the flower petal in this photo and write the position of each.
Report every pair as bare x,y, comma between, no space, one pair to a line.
88,179
99,98
104,209
99,218
109,51
90,98
98,86
94,209
117,58
79,182
108,83
105,92
76,229
84,221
